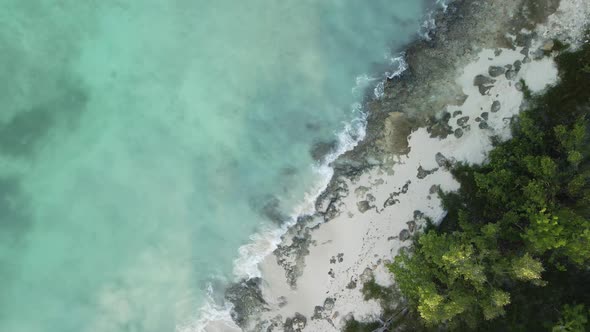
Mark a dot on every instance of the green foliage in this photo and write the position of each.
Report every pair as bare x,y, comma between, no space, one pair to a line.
544,233
355,326
527,268
574,319
373,291
515,244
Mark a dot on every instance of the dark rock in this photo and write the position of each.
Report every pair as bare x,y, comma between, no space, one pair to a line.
363,206
411,226
406,187
292,257
483,125
351,284
457,113
441,130
485,115
273,325
247,300
329,303
517,65
446,116
496,71
496,106
390,201
331,273
478,119
317,312
422,173
441,160
458,133
295,324
511,74
462,121
327,202
526,60
481,80
404,235
418,214
484,83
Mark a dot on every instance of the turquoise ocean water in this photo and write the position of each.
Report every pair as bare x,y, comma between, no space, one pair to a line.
143,142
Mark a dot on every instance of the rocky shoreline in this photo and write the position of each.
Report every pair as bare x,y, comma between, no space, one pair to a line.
427,105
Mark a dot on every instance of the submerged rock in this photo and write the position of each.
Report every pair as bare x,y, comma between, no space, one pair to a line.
320,150
272,210
458,133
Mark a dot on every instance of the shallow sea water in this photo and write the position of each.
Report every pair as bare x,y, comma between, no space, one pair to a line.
143,142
